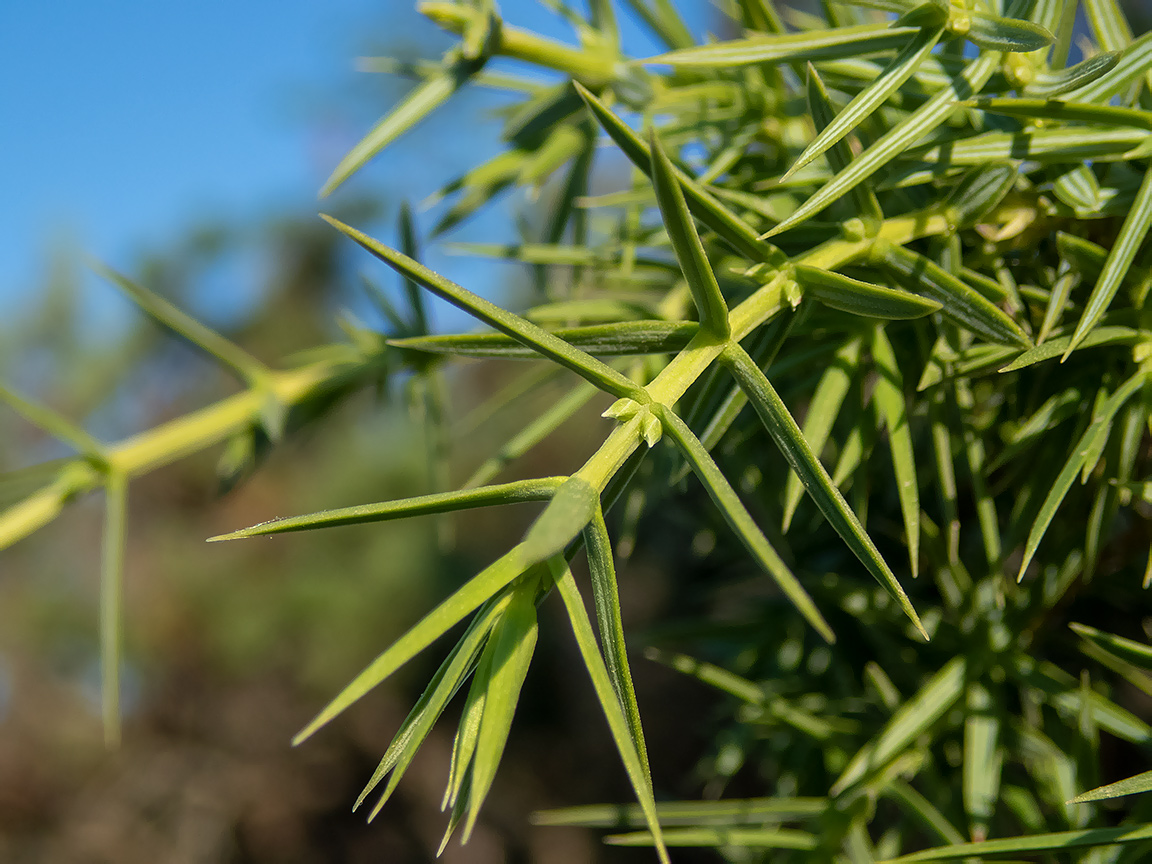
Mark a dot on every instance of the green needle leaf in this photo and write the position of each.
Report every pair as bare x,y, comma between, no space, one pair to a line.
964,305
617,722
247,367
1134,62
1108,23
1129,786
552,347
788,437
512,642
818,45
1048,85
540,489
840,155
978,193
686,243
410,247
464,745
417,105
1056,347
892,411
728,226
750,838
1127,650
861,298
54,424
435,624
822,412
1120,259
910,721
572,507
871,97
544,424
424,714
621,339
1101,425
741,521
926,118
606,598
993,33
982,760
1036,844
731,811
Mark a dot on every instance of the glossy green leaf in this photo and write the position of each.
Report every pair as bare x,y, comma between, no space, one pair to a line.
862,298
1134,63
945,477
524,331
1128,786
892,412
788,437
1077,112
1108,24
459,786
613,712
540,489
686,244
740,520
979,192
1056,145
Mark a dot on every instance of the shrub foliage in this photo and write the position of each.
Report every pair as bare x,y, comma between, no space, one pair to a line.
876,285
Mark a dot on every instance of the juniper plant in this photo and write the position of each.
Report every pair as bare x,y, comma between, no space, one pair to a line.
918,226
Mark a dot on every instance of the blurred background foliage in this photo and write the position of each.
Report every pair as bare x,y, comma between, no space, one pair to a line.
229,649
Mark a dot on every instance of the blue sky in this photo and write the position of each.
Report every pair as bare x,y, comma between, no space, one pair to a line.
127,122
